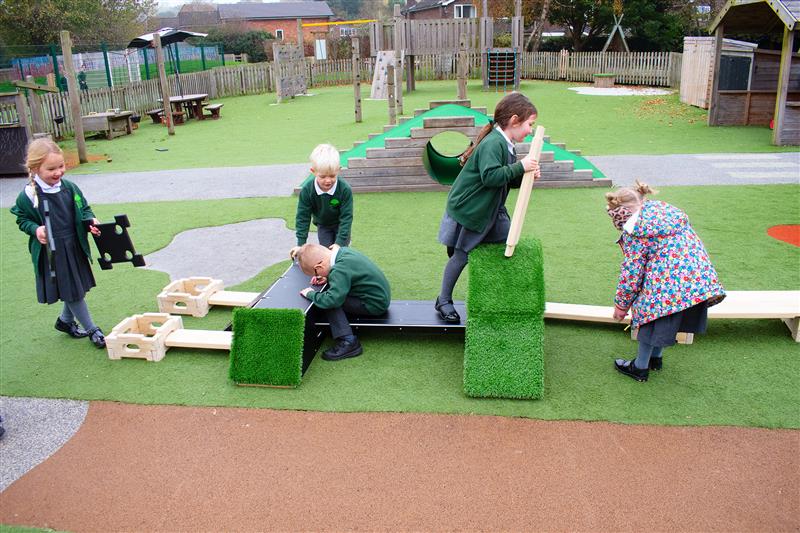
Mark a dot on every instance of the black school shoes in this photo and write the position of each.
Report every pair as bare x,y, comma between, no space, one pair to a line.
342,350
446,311
97,337
629,369
71,328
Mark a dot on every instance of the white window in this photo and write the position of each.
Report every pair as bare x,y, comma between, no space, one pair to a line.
279,34
463,11
346,32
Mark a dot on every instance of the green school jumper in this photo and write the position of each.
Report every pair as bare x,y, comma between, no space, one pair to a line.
325,210
476,192
353,274
29,219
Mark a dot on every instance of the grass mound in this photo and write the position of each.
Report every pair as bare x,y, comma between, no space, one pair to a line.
267,347
504,346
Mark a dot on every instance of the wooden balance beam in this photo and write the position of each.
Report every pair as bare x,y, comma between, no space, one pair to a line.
752,305
195,296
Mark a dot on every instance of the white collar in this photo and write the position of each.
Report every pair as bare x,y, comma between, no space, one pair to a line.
45,187
508,141
321,192
631,222
333,256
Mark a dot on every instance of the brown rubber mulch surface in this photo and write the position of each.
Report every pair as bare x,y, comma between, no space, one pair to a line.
167,468
787,233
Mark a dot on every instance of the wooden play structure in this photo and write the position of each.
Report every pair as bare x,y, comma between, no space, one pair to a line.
196,295
772,93
697,68
403,157
500,67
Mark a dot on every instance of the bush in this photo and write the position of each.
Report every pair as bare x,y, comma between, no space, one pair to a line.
236,41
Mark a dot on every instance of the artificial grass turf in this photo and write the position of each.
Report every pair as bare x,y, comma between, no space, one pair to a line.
267,347
741,373
254,132
504,344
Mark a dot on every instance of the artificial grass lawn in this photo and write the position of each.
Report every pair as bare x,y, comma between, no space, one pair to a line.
741,373
253,132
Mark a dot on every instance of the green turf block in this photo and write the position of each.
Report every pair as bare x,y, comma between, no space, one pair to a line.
499,284
504,357
267,347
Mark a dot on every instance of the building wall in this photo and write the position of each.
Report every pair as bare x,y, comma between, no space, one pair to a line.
289,27
428,14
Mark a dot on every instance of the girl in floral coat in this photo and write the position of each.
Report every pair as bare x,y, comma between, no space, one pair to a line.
666,279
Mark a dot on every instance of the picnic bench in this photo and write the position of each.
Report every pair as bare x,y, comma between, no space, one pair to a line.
155,115
214,110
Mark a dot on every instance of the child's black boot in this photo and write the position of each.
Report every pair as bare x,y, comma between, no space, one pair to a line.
72,329
655,363
97,337
629,369
345,347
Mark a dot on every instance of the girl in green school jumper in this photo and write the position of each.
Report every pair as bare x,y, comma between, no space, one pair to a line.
476,211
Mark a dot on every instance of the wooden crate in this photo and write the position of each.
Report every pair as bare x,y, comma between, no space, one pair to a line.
142,336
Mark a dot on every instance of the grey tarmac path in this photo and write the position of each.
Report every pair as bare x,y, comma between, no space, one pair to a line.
701,169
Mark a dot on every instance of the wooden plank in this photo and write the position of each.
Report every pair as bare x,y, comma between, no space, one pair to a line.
232,298
199,338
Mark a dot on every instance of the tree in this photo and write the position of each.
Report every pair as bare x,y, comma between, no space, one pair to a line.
583,19
658,25
38,22
237,41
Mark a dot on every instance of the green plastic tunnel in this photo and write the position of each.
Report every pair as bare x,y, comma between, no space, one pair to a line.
442,168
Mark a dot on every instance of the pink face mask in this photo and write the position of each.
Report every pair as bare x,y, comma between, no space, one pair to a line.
619,216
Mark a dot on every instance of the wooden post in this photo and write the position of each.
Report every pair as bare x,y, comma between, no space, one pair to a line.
485,42
783,86
517,40
300,34
22,115
357,76
712,108
162,78
524,195
74,95
462,67
399,33
36,109
390,96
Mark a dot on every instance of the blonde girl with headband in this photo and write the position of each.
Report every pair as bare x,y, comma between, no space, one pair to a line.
476,211
50,203
666,279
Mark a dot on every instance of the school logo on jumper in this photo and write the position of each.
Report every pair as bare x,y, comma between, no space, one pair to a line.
78,202
334,202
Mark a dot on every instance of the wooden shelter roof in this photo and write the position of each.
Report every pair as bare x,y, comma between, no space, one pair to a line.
758,16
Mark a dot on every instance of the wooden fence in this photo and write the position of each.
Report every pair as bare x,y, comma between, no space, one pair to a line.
638,68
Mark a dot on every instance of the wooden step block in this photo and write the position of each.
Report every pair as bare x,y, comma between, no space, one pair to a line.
142,336
363,162
436,103
566,184
428,133
188,296
384,153
405,188
404,142
371,136
411,179
576,152
448,122
200,338
354,173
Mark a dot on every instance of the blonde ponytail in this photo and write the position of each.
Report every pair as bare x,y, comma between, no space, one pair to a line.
38,150
630,197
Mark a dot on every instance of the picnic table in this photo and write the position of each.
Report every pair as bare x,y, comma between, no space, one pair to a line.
111,123
191,103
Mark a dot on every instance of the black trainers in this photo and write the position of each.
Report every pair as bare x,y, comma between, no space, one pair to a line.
342,350
97,337
72,329
629,369
447,311
655,363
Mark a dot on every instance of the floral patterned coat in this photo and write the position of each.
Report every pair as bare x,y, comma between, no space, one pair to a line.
666,268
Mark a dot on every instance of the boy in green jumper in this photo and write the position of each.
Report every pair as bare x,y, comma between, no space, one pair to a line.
325,200
355,286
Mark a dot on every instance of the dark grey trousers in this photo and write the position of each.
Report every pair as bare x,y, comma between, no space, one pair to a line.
326,235
340,325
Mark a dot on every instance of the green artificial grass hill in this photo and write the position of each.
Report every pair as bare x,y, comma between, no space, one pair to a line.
741,373
252,131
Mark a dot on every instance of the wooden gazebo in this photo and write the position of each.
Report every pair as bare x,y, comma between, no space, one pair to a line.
773,89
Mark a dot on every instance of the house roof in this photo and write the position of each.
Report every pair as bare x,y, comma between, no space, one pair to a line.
275,10
759,16
424,5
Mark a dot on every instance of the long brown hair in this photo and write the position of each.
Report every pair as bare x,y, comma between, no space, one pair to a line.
512,104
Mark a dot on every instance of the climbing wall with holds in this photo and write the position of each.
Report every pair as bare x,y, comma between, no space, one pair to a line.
380,80
290,71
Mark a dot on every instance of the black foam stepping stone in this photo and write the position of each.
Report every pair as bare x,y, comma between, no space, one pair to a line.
114,243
